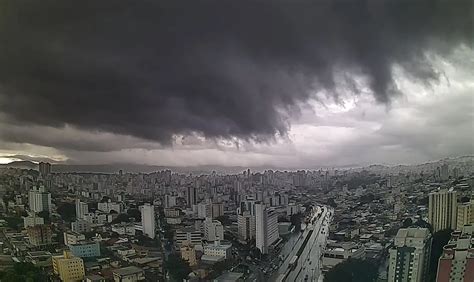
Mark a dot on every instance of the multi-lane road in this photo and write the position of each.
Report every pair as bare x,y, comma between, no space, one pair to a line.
308,250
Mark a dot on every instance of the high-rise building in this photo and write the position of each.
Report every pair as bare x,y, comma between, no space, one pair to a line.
465,214
68,267
266,227
444,173
457,261
170,201
410,255
81,209
246,226
40,235
39,200
217,210
442,209
44,168
148,220
204,210
32,220
213,230
191,196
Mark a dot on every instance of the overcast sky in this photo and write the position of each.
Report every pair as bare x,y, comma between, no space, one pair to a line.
247,83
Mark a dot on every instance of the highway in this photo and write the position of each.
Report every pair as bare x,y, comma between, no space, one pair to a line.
308,265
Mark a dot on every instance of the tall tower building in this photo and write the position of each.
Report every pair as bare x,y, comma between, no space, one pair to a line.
44,168
39,200
81,209
410,255
213,230
457,261
148,220
191,196
246,226
266,227
465,214
442,210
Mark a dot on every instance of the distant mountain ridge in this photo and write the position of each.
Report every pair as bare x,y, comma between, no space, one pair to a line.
205,169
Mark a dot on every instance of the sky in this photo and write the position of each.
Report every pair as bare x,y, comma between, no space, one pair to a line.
288,84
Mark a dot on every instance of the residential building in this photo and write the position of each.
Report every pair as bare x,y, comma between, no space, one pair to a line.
68,267
246,226
442,209
110,206
44,169
191,195
266,227
457,261
80,226
170,201
39,200
124,229
128,274
410,255
213,230
32,220
465,214
192,236
39,235
82,209
71,237
85,249
148,220
217,210
204,210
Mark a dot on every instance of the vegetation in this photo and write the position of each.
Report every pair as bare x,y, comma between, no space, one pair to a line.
352,270
407,223
45,216
67,211
123,217
14,222
225,220
177,267
440,239
295,220
23,271
135,213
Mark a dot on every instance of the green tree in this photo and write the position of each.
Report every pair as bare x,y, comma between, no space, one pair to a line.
177,267
407,223
121,218
23,271
135,213
352,270
67,211
440,239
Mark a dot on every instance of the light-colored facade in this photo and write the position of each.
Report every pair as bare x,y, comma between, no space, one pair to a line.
32,220
68,267
465,214
82,209
410,255
218,250
71,237
188,253
39,200
456,264
336,253
80,226
442,210
192,236
266,227
217,210
148,220
110,206
213,230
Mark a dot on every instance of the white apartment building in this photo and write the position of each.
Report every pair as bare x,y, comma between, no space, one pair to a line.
410,255
266,227
148,220
246,226
81,209
442,209
217,249
39,200
213,230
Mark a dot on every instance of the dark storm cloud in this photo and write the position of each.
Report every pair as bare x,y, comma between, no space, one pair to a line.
152,69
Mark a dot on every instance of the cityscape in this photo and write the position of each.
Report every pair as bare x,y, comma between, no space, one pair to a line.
237,141
318,225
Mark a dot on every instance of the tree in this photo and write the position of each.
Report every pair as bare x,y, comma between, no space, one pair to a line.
465,199
423,224
352,270
440,239
295,220
23,271
332,203
177,267
135,213
44,215
67,211
121,218
407,223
